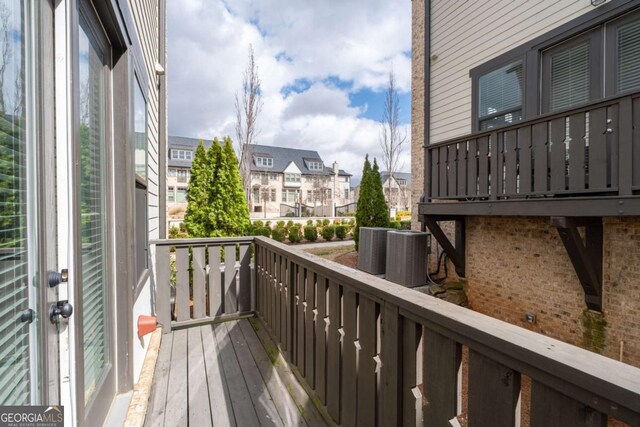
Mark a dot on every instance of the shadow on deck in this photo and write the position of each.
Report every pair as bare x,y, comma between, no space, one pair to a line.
223,375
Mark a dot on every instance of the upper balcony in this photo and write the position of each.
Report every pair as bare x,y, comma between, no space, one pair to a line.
579,162
330,345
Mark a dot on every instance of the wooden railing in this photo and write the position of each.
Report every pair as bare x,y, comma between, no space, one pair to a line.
212,280
580,152
375,353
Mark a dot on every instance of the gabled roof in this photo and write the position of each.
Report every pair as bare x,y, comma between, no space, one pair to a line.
384,175
183,143
282,157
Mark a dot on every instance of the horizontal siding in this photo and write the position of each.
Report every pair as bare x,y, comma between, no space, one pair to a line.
145,17
466,34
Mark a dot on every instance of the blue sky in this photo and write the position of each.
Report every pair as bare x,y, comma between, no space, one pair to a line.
323,65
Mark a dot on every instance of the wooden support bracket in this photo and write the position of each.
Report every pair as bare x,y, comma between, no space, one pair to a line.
585,254
456,253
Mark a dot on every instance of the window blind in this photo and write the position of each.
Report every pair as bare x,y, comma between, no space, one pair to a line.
501,90
570,75
629,56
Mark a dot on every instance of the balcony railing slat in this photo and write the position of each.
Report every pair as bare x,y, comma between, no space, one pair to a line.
510,159
349,357
483,166
625,147
442,165
215,282
321,339
541,156
390,379
244,282
495,166
577,152
309,334
550,408
366,372
598,149
462,169
557,154
333,353
411,393
163,289
299,320
497,407
636,143
524,159
230,289
441,362
182,284
286,295
199,291
435,172
472,168
452,170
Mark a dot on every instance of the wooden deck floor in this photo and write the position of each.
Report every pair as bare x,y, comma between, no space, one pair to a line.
221,375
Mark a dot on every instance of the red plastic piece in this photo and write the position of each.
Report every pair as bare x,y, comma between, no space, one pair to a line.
146,325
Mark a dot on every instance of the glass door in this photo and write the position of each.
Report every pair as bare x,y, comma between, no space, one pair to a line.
94,327
20,373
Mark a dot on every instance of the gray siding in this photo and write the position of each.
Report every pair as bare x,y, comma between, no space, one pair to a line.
466,34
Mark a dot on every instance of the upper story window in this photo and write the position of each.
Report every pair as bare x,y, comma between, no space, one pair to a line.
402,181
273,176
563,69
172,172
265,162
181,154
291,177
500,96
314,165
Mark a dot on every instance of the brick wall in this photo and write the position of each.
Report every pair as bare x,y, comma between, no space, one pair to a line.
519,265
417,106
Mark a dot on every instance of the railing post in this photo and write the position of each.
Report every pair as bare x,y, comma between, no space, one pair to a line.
427,174
625,147
493,175
163,291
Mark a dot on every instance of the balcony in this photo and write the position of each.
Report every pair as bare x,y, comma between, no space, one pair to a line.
285,337
583,162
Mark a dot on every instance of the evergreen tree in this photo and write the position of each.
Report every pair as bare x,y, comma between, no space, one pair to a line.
380,209
217,188
197,218
236,218
363,207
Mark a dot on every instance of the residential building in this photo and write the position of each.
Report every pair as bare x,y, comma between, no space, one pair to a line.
397,190
181,152
82,190
526,161
293,182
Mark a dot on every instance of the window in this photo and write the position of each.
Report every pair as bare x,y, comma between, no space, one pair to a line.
171,195
181,154
402,181
315,165
140,167
628,56
290,196
346,194
291,177
273,194
308,179
183,175
181,195
500,96
273,177
172,172
264,162
309,196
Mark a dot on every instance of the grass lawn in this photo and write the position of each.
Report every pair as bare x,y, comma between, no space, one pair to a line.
345,255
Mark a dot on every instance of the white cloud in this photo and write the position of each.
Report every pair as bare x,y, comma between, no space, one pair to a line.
354,41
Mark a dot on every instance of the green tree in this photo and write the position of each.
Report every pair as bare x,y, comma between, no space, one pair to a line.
217,205
371,209
197,218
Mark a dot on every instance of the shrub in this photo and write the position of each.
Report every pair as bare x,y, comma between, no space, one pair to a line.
328,232
294,234
267,224
258,224
318,223
278,234
341,232
405,225
262,231
336,222
394,224
325,222
310,233
400,214
309,222
289,225
280,224
173,232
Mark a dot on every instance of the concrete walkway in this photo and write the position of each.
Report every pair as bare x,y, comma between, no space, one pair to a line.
332,243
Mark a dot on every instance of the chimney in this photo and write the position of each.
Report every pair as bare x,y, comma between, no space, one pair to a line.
335,168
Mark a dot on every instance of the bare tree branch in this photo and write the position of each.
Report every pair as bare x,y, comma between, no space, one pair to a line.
392,138
248,105
5,50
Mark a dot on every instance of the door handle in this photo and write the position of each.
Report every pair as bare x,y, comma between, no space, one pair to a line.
60,308
27,316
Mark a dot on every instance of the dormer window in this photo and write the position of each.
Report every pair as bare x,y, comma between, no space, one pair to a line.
402,182
181,154
264,162
315,165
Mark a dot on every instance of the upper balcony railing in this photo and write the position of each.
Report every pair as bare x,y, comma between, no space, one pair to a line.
586,152
376,353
